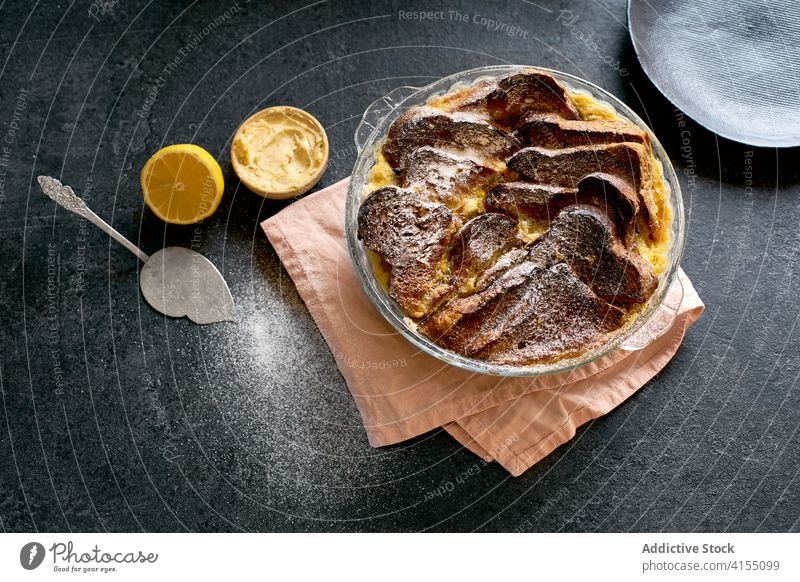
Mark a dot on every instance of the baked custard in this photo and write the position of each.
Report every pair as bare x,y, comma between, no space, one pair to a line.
515,221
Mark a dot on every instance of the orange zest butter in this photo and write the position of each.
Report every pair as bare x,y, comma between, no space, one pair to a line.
280,152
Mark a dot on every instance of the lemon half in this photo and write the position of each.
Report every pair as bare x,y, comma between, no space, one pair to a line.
182,184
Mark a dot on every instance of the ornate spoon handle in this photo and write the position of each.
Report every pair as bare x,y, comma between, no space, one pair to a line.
66,198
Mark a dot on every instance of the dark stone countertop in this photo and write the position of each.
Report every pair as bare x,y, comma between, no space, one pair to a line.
115,418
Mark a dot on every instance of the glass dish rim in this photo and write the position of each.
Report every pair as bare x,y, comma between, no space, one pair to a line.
387,306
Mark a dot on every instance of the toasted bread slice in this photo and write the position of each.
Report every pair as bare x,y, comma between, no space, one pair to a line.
567,167
470,98
444,176
478,244
583,237
464,133
552,131
530,314
520,94
614,196
412,236
543,202
511,99
538,201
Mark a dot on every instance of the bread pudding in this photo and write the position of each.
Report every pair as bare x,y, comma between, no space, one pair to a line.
516,221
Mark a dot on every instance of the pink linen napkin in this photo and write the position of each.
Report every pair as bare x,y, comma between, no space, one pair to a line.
402,392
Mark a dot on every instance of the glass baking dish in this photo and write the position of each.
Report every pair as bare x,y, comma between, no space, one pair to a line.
653,320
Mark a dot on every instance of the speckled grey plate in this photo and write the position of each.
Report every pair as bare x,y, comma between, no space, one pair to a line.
731,65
